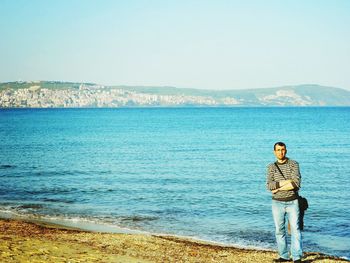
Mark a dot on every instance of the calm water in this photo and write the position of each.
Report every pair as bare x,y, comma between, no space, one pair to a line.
197,172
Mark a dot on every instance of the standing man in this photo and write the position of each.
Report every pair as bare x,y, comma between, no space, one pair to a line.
283,180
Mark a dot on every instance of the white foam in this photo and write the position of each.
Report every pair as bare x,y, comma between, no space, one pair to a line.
75,222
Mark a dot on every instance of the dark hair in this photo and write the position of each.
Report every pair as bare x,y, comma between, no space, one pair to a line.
279,144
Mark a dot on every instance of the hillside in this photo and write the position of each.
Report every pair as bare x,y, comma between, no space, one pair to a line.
45,94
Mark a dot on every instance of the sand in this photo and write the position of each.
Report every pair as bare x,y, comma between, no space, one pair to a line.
37,242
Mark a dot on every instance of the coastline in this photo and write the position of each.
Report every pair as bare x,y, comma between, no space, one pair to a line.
34,241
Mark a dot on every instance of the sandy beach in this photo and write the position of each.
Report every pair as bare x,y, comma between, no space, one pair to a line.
40,242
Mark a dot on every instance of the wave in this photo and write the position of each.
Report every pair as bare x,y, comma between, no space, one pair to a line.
53,200
138,218
7,166
30,206
36,172
19,208
52,190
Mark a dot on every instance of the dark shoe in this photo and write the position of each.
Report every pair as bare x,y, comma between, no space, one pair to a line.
297,261
281,260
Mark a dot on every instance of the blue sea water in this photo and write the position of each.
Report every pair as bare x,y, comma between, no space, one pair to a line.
196,172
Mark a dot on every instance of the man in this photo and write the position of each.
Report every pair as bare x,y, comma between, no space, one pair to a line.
283,180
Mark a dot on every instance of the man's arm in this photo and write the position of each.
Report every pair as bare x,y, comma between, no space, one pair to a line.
296,177
285,185
271,184
294,183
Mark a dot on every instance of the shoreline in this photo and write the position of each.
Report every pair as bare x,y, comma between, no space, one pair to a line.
91,226
23,241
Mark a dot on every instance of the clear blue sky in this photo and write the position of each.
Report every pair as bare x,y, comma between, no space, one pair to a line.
213,44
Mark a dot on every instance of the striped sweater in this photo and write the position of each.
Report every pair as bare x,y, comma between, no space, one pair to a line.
290,170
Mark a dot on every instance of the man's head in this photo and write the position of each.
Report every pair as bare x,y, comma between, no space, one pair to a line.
280,151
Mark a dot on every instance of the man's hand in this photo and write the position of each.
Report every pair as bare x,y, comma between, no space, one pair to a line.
284,182
275,191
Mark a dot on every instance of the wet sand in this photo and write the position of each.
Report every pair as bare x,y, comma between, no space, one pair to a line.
38,242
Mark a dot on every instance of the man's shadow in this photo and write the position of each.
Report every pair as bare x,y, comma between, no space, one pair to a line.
319,256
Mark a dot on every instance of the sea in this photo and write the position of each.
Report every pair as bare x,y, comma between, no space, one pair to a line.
189,172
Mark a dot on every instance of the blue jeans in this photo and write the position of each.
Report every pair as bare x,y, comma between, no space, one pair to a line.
280,210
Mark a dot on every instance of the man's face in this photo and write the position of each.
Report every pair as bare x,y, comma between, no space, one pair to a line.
280,152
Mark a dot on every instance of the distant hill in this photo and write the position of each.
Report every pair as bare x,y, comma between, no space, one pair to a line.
299,95
68,94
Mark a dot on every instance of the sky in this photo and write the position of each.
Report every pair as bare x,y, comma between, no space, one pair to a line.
198,44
